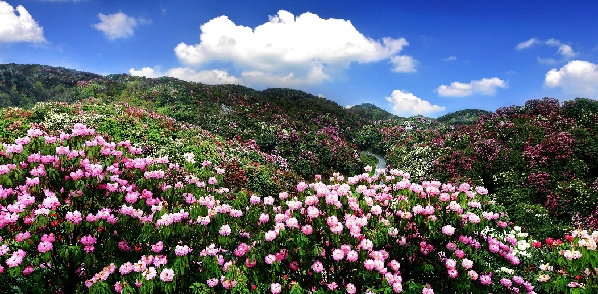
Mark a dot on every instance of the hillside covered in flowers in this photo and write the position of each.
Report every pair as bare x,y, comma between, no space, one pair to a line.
166,186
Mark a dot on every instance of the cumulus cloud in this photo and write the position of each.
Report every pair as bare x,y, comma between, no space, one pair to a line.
118,25
18,28
215,76
304,49
565,50
402,63
576,77
407,104
450,58
483,87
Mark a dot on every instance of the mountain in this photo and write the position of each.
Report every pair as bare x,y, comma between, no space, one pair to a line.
539,161
371,112
463,117
313,134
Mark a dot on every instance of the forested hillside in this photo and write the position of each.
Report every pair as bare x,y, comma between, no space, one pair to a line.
539,160
137,185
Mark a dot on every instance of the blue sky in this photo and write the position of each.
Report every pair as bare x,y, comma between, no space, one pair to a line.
408,57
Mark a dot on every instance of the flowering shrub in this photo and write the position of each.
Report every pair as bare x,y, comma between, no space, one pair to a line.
567,265
80,212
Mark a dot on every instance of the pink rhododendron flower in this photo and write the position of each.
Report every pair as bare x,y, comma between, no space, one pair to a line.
167,275
275,288
351,289
157,247
44,246
352,256
225,230
28,270
338,254
270,259
307,229
448,230
182,250
212,282
486,279
317,267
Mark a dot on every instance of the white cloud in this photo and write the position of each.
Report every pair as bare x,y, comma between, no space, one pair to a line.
456,89
527,44
302,50
576,77
566,51
18,28
118,25
215,76
403,63
450,58
407,104
483,87
147,72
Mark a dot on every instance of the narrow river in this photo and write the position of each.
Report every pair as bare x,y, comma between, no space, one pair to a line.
381,160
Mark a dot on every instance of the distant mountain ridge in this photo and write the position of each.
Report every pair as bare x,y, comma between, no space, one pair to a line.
314,134
371,112
463,117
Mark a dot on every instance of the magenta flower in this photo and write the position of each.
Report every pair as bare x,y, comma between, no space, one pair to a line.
486,279
16,258
241,249
317,267
332,286
157,247
44,246
250,263
23,236
74,217
506,282
88,240
453,273
307,229
27,270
